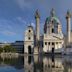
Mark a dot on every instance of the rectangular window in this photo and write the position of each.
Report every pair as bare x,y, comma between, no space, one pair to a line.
52,43
49,43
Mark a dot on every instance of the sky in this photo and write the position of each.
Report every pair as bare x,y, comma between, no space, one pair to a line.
16,15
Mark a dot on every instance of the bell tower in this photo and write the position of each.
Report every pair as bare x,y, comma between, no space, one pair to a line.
29,40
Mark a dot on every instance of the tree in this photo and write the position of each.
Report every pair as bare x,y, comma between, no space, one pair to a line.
9,48
1,49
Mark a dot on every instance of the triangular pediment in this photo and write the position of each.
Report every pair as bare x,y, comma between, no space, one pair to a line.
53,37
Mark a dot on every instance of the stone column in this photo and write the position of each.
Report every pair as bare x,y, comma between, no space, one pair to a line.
37,18
68,18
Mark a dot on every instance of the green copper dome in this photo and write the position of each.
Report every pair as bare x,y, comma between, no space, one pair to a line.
52,17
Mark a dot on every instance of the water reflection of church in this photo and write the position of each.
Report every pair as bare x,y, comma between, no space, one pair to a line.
52,39
38,63
46,64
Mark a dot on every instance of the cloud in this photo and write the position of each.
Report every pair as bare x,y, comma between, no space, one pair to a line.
33,24
8,33
23,3
21,20
16,26
5,24
7,27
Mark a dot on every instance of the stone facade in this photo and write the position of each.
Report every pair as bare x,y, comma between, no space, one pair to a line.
52,39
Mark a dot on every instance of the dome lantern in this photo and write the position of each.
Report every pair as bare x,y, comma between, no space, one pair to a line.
52,12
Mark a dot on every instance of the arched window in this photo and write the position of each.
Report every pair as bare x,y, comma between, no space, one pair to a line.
29,30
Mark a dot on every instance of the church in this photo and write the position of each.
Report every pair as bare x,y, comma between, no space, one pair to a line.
52,40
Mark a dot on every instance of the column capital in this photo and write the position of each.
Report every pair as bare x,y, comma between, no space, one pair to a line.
37,15
68,15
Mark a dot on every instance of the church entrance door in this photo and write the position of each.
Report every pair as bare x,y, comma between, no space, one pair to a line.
29,50
53,50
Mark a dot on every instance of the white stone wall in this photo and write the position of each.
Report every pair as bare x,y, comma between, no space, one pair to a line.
49,38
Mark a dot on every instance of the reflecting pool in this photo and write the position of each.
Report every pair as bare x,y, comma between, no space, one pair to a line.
36,64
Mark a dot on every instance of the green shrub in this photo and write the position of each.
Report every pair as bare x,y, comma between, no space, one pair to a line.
1,49
9,48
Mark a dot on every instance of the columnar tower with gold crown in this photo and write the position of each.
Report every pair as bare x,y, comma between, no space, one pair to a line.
37,18
68,18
